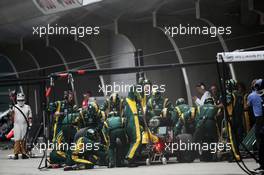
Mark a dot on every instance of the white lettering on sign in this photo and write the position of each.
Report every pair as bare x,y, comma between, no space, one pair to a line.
54,6
240,56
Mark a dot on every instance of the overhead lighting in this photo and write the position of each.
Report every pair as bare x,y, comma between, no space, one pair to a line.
86,2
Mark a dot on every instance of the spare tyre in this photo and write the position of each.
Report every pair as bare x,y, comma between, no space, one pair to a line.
187,155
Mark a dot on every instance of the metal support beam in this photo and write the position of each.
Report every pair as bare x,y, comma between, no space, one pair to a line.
179,56
220,38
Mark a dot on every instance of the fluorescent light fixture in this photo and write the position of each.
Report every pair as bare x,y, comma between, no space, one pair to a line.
86,2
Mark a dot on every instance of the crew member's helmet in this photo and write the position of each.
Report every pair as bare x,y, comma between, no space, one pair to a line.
92,109
231,85
133,93
91,134
114,101
113,114
209,101
90,114
180,101
21,99
156,94
146,81
141,80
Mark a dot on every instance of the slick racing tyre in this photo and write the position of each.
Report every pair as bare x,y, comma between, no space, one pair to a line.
185,156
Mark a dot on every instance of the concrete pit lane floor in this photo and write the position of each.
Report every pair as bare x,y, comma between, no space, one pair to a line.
29,167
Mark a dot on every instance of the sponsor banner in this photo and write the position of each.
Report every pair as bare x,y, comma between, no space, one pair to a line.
54,6
241,56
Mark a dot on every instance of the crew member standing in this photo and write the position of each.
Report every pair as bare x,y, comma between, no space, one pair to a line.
22,117
256,102
201,89
133,127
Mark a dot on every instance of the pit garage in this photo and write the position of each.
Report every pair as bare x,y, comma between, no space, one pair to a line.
53,49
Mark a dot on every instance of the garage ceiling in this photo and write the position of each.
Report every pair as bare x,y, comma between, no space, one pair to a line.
17,17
